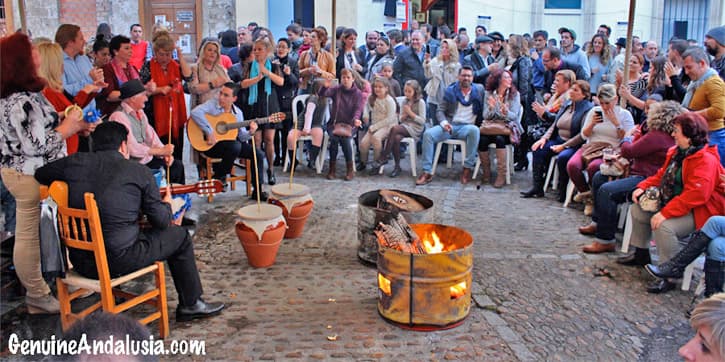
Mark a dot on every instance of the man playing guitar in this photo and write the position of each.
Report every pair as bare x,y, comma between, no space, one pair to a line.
229,151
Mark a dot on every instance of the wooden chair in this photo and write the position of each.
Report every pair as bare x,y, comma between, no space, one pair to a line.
206,173
81,229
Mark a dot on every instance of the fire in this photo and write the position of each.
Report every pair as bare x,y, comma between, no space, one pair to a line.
432,247
384,284
458,290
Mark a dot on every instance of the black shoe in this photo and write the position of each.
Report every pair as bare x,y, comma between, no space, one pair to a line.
277,161
310,165
271,180
396,172
360,167
185,221
521,166
200,309
640,257
262,196
660,286
534,192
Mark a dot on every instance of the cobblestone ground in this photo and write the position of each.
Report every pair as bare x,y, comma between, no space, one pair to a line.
534,291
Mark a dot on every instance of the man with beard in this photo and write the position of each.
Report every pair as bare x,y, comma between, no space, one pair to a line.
715,46
371,41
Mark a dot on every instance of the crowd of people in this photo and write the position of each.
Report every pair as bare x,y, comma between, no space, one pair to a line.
614,136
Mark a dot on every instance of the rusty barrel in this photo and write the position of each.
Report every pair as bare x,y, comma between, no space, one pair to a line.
369,215
427,291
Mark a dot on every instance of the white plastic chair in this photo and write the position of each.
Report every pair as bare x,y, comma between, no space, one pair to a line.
553,170
319,162
451,144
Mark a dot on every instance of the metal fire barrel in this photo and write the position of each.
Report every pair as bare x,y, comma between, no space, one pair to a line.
369,215
416,291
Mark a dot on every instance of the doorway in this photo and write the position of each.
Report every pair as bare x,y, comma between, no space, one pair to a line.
179,17
305,13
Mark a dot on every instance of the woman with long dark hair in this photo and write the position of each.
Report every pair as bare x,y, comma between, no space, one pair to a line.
286,93
502,106
31,135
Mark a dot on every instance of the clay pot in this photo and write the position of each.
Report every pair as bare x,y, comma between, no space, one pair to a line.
260,253
296,219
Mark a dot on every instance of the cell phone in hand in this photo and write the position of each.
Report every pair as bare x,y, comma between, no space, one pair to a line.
427,48
599,113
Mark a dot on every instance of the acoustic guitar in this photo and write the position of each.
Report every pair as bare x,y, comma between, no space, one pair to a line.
203,188
225,128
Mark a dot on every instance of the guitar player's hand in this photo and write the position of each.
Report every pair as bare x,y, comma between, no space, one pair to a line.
210,139
253,127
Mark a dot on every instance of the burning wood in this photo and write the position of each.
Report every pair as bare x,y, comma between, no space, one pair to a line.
397,234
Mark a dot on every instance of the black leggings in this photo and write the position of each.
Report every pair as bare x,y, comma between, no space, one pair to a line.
500,140
345,142
397,133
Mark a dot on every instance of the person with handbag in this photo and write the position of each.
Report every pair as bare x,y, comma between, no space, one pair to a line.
687,183
500,124
462,105
604,127
646,148
346,111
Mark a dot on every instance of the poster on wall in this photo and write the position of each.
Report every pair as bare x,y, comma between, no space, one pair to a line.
161,20
485,21
185,43
400,12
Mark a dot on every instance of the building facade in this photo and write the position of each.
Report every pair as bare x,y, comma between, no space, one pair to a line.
192,20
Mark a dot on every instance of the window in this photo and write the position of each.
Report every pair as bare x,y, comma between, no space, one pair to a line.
562,4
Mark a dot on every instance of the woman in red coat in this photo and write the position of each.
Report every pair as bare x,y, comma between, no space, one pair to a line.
690,194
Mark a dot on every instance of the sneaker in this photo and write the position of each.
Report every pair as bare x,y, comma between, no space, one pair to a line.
46,304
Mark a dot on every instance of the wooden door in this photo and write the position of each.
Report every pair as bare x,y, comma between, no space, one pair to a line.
180,17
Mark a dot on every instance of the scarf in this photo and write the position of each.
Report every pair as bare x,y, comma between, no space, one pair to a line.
123,75
267,82
672,184
173,102
461,98
692,87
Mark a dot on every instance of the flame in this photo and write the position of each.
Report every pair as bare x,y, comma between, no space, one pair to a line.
384,284
432,247
458,290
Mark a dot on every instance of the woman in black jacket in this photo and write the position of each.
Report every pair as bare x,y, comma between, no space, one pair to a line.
286,93
563,139
521,72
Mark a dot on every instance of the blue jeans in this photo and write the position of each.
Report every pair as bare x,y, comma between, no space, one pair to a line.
607,195
8,207
714,228
435,134
544,154
717,138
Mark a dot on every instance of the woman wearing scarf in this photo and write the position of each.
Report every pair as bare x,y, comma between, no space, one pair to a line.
169,94
117,72
207,75
262,100
688,183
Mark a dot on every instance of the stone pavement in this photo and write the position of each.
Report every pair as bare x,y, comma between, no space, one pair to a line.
535,296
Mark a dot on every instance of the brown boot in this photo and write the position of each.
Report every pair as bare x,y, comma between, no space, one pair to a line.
331,173
348,176
485,167
500,168
466,175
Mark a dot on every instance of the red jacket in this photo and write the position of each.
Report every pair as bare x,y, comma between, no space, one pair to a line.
702,191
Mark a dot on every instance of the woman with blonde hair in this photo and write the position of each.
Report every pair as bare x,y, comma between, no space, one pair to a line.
207,75
708,344
51,68
263,77
441,71
600,60
521,68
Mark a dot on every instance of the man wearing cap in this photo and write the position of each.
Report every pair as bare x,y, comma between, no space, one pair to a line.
715,46
124,189
144,145
229,150
706,95
481,61
571,52
497,49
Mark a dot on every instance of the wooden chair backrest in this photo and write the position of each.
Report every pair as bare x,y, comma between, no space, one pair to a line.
81,229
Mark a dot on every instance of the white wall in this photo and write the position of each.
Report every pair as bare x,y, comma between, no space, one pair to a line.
506,16
247,11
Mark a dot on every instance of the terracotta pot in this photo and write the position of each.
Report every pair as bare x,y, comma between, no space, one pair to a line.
261,253
296,219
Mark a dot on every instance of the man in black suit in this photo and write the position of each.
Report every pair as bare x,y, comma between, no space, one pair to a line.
123,189
409,63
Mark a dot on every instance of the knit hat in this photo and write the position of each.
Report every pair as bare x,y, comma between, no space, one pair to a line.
718,34
131,88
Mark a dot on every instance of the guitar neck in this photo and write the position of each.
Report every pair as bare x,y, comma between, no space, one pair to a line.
230,126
